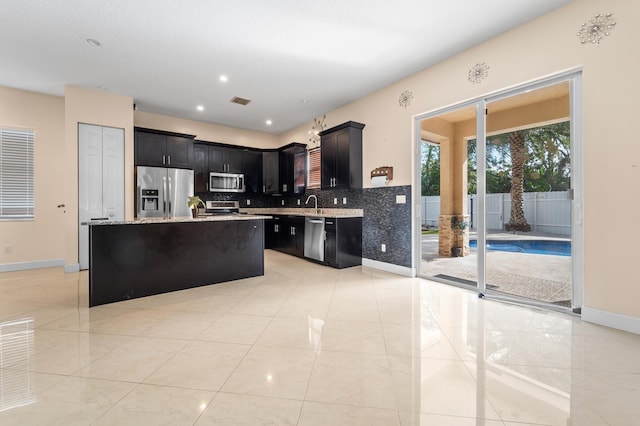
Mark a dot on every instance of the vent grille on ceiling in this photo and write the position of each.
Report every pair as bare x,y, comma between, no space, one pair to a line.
240,101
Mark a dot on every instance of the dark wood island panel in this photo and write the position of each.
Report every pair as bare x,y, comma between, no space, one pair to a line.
128,261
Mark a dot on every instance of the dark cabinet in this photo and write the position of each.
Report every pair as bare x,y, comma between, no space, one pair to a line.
252,169
286,234
163,149
293,168
270,172
208,157
225,159
341,156
200,167
343,244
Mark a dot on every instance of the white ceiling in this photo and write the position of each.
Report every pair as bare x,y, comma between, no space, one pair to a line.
295,59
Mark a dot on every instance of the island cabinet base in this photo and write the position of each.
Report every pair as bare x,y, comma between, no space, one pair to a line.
128,261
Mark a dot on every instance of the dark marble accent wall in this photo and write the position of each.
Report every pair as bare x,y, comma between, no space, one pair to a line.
386,222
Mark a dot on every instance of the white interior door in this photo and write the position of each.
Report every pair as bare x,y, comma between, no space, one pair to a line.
113,173
100,180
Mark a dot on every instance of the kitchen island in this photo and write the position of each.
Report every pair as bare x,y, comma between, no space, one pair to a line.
144,257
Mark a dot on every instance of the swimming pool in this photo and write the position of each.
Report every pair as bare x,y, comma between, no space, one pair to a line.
553,247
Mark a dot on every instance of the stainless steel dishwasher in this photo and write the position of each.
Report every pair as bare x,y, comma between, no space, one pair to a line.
314,237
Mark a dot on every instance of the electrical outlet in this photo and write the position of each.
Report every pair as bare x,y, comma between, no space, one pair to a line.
344,200
401,199
8,249
248,202
383,248
335,201
298,201
283,202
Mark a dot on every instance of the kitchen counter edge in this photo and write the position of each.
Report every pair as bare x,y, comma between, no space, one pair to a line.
217,218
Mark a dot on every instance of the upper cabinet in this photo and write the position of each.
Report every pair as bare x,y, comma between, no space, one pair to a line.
341,156
225,159
252,169
200,167
293,168
270,172
210,157
163,149
284,171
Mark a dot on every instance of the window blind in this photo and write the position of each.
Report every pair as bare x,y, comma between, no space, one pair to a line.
16,173
313,180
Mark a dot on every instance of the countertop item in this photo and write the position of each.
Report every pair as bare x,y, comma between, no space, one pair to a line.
335,213
216,218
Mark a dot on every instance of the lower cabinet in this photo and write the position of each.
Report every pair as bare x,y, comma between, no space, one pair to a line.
286,234
343,244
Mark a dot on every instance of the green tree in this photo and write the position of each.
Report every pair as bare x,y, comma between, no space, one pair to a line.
430,169
546,164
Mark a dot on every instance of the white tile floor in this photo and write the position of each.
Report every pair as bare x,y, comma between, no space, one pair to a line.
305,345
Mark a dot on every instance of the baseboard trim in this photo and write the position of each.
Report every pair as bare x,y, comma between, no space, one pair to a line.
611,319
389,267
35,264
71,267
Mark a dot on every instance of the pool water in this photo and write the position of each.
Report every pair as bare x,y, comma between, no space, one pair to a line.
553,247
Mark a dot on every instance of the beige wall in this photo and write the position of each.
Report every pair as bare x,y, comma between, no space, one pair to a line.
205,131
41,239
103,109
543,47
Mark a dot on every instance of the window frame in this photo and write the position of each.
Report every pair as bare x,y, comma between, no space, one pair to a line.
314,173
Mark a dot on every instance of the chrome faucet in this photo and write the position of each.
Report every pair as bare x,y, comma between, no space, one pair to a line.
314,198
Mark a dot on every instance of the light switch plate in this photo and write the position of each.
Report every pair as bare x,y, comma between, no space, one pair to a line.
248,202
344,200
335,201
401,199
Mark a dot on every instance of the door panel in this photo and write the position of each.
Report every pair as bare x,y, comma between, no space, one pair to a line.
528,170
113,173
100,180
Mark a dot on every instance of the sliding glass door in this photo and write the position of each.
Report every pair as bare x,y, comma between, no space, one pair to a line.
504,218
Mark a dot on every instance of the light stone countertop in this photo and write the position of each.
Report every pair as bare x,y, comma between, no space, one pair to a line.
333,213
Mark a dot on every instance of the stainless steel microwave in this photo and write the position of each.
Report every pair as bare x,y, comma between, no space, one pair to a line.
226,182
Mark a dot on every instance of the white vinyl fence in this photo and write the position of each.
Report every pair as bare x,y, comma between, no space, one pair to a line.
546,212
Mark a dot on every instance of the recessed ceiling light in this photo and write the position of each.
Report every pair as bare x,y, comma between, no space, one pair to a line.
200,108
269,122
93,42
224,78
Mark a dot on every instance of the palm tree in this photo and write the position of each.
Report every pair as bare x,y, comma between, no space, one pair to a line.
517,221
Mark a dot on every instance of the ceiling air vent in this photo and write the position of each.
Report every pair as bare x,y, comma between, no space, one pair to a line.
240,101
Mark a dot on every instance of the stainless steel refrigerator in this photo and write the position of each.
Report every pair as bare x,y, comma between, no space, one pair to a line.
163,192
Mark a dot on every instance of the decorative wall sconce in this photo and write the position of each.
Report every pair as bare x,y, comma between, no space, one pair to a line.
595,28
478,72
314,133
405,99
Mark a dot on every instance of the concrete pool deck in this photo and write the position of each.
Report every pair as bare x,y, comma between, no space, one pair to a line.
546,278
